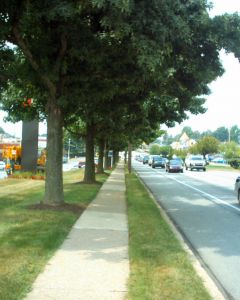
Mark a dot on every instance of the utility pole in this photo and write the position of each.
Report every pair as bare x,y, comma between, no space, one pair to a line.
29,145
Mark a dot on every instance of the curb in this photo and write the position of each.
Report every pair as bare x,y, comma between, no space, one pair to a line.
213,287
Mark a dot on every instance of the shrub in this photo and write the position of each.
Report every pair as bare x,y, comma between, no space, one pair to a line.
234,163
27,175
154,149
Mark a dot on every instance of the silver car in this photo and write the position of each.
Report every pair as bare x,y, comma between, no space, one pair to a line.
196,162
237,188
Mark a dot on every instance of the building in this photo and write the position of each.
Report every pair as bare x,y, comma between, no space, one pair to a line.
184,142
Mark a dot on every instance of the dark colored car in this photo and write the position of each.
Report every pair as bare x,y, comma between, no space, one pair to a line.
158,161
145,159
150,159
174,165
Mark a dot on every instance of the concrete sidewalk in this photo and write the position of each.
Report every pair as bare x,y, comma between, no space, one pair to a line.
93,262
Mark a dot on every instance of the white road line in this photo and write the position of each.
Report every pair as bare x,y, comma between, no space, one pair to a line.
215,199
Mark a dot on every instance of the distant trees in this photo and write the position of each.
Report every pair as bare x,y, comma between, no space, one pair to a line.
205,145
230,150
154,149
223,134
165,151
168,139
234,134
182,153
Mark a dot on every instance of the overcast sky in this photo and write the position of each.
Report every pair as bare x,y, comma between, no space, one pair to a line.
223,103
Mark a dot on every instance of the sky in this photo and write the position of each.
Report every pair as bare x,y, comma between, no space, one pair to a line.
222,104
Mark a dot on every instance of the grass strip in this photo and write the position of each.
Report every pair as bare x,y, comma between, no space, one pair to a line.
221,168
159,267
31,233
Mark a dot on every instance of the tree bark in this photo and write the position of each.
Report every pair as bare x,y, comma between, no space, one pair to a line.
115,157
89,174
129,158
125,157
106,158
54,178
100,168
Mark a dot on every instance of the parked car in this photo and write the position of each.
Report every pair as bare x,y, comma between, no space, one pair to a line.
174,165
237,188
219,160
196,162
145,159
139,157
3,173
2,165
81,164
158,161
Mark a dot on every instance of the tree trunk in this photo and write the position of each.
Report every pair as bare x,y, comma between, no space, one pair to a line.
115,157
100,168
106,158
125,157
89,174
129,158
54,178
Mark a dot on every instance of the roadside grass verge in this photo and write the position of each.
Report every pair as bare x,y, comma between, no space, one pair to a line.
159,267
31,233
221,168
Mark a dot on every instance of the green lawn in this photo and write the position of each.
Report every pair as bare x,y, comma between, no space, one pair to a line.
160,268
221,168
29,233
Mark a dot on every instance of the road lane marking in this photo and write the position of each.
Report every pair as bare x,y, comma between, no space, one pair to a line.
215,199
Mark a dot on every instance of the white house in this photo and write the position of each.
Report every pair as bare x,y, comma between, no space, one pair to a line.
184,142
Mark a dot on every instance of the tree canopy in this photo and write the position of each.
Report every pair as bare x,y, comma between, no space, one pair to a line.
206,145
143,62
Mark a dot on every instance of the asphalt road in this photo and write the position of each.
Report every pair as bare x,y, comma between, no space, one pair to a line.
204,208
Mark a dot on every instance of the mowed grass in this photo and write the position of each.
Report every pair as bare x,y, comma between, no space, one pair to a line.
221,168
29,233
159,267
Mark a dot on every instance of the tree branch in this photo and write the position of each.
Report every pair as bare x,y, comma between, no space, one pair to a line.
61,53
3,78
22,44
